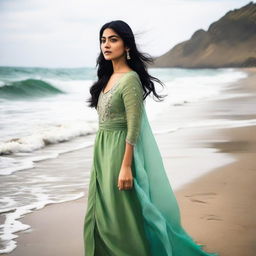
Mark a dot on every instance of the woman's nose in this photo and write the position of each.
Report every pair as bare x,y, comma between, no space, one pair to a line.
106,44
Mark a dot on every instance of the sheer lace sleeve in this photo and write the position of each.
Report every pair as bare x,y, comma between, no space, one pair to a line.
132,94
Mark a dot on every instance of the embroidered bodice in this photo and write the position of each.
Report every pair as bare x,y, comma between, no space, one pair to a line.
123,104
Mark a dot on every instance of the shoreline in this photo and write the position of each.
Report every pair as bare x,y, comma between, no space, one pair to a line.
222,202
214,202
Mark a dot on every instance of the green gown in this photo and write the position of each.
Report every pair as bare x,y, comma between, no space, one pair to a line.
144,220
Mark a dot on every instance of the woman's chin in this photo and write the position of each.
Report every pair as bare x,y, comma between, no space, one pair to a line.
108,58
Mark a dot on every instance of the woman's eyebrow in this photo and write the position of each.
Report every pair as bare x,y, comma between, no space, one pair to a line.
110,36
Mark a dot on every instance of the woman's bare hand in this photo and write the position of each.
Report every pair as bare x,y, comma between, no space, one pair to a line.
125,178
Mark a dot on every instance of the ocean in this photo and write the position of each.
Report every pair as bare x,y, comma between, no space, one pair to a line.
44,113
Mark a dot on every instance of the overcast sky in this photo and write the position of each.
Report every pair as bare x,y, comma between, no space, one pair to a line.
64,33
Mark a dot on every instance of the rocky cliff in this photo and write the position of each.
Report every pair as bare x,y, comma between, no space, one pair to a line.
229,42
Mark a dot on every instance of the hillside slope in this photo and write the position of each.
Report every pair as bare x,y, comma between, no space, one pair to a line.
229,42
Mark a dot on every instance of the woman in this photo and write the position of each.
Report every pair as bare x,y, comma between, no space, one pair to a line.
132,210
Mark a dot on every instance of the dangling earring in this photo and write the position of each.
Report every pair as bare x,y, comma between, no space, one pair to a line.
128,55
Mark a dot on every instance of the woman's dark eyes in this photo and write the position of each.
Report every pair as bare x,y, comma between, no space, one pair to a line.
112,40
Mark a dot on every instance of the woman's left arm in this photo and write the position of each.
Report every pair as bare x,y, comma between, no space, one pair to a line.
132,95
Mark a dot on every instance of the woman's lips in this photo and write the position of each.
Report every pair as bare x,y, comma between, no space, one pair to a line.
107,52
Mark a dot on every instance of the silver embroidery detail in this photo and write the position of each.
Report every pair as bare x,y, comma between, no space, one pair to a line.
104,104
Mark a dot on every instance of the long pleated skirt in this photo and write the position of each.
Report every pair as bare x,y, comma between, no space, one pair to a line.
113,223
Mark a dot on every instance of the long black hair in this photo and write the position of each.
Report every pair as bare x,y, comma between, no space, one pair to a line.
138,63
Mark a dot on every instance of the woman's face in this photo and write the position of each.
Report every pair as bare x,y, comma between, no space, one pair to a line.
111,42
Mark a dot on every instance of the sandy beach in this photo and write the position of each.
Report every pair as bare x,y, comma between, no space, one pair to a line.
218,209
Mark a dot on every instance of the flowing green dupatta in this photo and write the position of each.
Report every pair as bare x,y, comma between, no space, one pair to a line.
159,205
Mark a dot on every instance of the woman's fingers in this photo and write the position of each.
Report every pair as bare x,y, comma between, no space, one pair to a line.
119,184
125,184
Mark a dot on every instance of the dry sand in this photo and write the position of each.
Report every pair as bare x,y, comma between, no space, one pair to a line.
217,209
